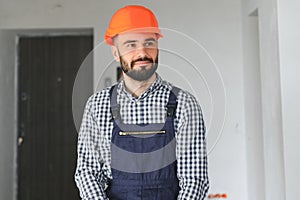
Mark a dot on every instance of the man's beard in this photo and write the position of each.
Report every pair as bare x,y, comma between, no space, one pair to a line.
141,74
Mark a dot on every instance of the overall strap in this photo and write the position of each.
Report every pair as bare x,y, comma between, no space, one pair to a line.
172,103
114,106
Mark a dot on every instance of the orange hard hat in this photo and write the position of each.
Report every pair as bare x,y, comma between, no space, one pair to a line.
131,18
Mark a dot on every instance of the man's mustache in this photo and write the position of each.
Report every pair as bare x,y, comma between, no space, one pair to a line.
141,59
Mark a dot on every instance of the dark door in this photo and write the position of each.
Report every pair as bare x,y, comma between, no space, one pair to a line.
47,137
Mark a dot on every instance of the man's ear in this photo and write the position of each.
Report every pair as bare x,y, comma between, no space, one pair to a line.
115,53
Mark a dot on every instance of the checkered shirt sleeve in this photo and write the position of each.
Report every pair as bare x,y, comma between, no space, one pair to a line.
93,163
191,150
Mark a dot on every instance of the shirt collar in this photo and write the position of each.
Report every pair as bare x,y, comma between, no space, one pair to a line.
154,86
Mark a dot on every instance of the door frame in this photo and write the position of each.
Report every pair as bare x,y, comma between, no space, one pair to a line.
33,33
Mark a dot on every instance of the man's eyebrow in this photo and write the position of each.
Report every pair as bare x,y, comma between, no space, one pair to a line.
129,41
132,41
150,39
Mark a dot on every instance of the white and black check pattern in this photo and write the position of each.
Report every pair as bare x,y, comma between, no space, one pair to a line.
93,165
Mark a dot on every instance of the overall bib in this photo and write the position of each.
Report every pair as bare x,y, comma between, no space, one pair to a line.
143,158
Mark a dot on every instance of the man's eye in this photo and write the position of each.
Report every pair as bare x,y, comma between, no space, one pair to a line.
131,45
149,44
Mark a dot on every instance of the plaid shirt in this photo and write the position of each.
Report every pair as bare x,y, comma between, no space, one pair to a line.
93,164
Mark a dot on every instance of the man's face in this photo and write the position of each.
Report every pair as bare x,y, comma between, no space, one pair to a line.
137,54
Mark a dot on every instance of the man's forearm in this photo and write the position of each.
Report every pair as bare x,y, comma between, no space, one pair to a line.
89,187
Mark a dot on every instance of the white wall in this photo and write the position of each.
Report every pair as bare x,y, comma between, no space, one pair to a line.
215,24
289,48
271,167
253,107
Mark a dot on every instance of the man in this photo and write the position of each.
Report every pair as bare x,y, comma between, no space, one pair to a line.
142,138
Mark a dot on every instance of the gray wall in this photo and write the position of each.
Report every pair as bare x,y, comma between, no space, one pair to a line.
7,114
289,48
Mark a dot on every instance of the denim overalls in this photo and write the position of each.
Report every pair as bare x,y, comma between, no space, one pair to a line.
143,157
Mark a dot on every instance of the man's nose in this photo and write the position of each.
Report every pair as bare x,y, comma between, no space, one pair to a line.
141,52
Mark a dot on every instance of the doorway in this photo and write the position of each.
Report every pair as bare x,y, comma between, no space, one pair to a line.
47,136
